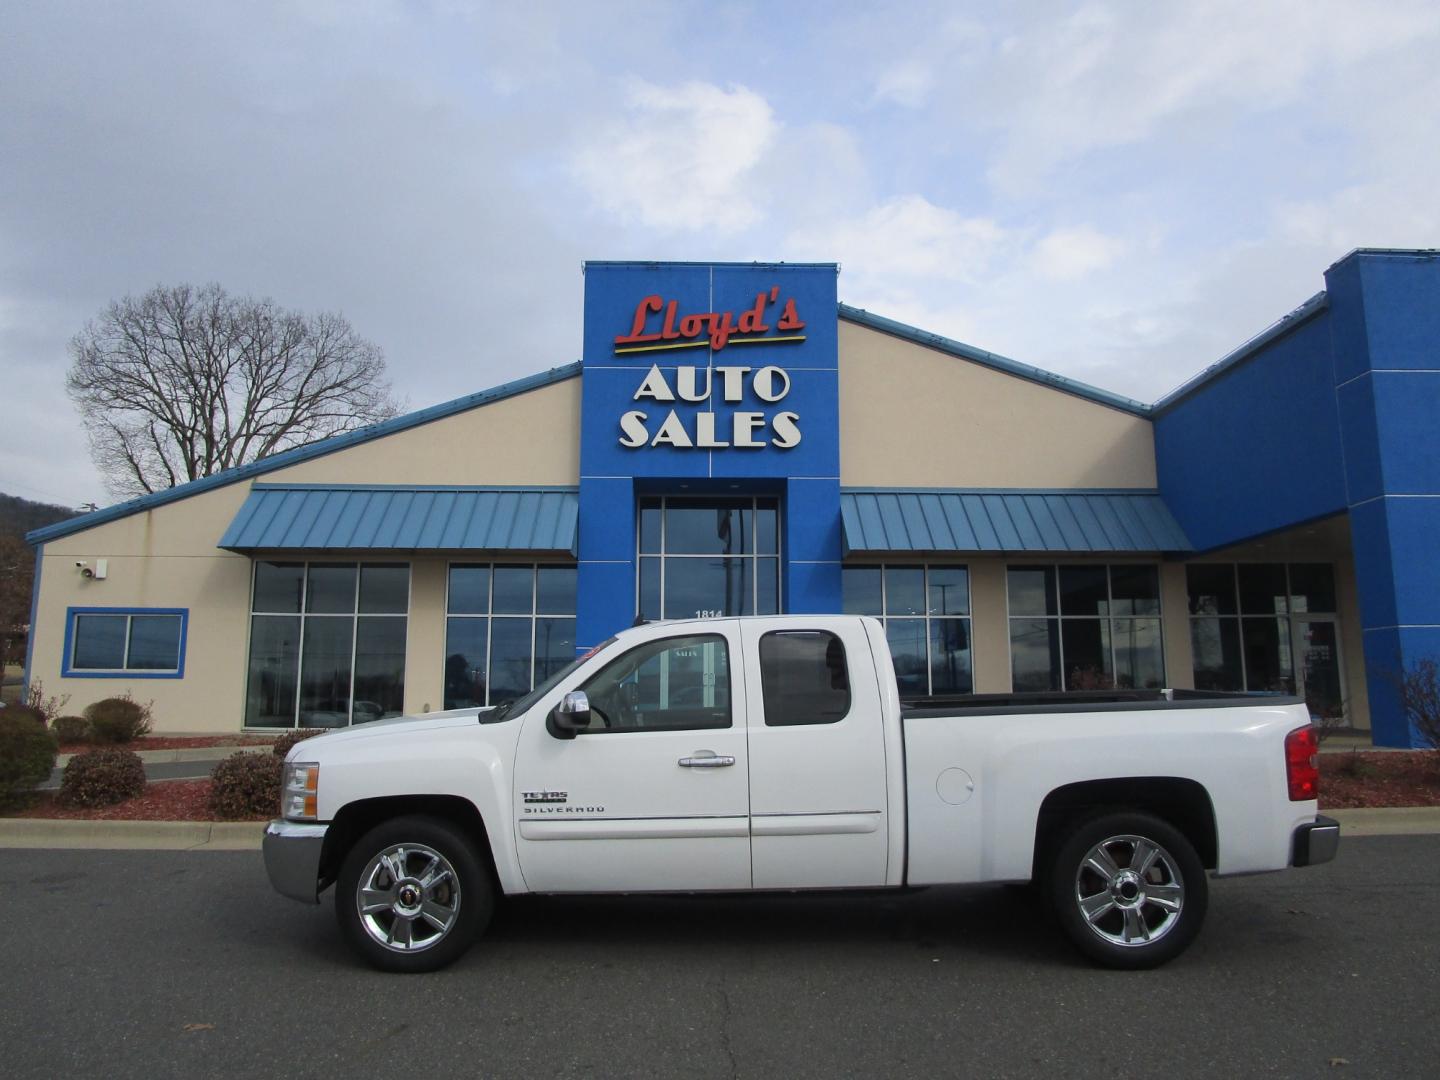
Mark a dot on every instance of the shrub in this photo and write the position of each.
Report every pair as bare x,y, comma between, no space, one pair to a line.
71,729
27,754
102,778
26,714
48,707
118,719
246,785
290,738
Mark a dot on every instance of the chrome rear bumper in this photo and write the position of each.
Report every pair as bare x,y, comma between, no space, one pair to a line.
1316,842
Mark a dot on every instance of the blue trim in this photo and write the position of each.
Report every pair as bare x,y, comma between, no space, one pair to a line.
283,485
305,453
1316,305
997,491
993,360
649,264
67,672
34,615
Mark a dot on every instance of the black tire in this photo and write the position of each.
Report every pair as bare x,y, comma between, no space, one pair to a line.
454,889
1156,904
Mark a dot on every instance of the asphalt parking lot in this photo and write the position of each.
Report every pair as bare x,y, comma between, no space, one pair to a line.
155,964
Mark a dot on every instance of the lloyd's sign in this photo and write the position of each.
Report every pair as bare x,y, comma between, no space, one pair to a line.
658,326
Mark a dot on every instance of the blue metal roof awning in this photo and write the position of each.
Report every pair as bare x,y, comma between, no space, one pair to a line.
1051,520
318,517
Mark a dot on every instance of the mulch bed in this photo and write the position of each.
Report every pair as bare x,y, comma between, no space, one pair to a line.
184,742
162,800
1395,778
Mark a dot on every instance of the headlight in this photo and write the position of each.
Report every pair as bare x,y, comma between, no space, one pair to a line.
299,791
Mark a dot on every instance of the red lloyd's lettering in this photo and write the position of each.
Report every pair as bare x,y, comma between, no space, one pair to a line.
719,326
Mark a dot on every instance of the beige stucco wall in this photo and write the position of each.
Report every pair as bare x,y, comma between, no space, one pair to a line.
916,417
166,556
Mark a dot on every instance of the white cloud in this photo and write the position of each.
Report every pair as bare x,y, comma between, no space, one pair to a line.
1066,254
680,157
907,236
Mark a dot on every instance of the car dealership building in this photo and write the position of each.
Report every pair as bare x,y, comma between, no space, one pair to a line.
734,441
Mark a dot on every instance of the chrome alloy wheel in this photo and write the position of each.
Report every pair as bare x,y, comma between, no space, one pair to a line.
1129,891
408,897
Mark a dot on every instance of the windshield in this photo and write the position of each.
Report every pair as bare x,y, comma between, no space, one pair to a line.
515,706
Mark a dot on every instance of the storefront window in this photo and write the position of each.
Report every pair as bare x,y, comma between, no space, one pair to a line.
508,627
707,558
1267,627
327,643
926,612
1085,627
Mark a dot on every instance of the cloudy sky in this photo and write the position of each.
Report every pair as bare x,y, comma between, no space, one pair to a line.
1121,192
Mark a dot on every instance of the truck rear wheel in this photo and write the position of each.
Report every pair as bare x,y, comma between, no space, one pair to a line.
412,895
1129,890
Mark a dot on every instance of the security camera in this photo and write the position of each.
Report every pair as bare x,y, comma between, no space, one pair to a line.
86,571
80,564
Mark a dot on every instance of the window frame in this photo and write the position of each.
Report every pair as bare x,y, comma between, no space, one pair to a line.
1290,617
724,641
844,659
304,615
924,617
489,614
664,555
1059,618
68,670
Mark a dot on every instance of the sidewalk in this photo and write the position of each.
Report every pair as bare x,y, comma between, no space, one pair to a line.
189,753
246,835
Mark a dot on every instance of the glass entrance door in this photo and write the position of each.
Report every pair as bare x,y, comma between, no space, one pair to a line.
1317,649
705,558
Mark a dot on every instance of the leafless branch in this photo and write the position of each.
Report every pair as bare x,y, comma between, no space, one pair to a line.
182,382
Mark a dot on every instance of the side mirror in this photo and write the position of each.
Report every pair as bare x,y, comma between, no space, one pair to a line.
572,715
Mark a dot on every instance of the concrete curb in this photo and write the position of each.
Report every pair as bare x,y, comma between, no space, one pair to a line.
1387,821
132,835
188,753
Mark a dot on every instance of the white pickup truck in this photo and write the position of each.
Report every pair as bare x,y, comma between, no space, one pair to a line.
775,753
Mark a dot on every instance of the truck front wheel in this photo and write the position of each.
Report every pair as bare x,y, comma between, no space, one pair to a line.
412,894
1129,889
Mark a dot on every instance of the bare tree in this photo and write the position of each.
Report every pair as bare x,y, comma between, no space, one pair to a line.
183,382
1418,687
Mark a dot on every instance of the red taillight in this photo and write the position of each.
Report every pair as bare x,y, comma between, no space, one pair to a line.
1302,769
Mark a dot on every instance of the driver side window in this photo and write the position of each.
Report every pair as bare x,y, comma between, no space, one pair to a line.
674,684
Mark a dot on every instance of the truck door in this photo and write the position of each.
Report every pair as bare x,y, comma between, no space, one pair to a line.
654,795
817,757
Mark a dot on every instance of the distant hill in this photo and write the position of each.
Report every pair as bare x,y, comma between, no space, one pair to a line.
18,516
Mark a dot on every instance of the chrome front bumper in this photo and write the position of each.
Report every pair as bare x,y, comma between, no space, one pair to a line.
1315,842
292,859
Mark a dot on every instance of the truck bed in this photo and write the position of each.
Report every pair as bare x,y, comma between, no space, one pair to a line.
1088,701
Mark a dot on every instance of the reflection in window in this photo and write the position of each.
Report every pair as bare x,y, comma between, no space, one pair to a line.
803,678
1074,627
1249,620
671,684
327,643
708,557
507,628
926,612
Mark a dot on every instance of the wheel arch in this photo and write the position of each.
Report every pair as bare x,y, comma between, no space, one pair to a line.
1182,802
357,818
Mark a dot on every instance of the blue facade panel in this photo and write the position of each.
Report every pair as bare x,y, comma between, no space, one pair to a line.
714,378
1258,448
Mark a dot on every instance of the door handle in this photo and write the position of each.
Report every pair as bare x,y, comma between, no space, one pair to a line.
706,759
